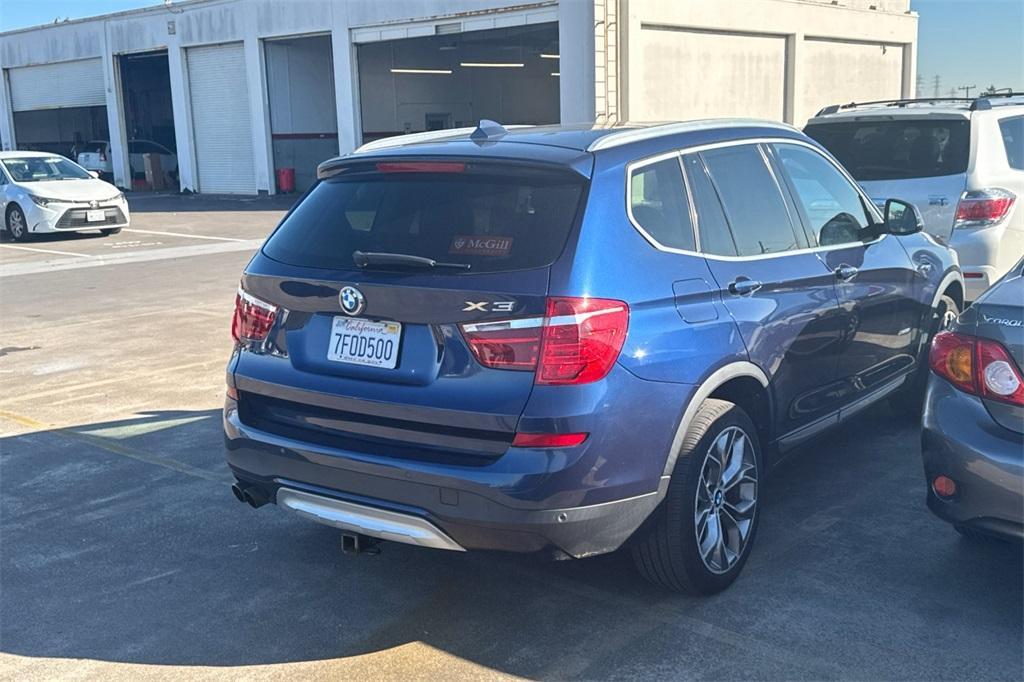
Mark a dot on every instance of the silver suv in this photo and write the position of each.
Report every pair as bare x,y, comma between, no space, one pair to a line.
960,161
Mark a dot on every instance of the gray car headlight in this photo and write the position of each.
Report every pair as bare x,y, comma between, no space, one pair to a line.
41,201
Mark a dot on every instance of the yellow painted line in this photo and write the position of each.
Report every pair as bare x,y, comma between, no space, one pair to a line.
51,251
184,235
116,448
23,421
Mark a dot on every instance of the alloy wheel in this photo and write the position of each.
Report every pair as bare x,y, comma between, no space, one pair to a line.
726,500
16,224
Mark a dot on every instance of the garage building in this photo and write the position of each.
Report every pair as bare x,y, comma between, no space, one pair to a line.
228,92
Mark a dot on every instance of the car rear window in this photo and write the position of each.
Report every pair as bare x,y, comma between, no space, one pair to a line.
489,217
94,147
897,149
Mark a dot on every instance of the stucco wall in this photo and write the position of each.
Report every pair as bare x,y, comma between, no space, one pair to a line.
780,59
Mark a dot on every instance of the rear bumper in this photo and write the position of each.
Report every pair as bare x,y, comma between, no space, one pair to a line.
457,507
577,501
960,440
977,280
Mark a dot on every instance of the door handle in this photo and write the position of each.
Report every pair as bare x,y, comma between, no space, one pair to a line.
743,286
846,272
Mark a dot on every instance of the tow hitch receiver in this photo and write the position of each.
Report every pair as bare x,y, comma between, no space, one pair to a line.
357,543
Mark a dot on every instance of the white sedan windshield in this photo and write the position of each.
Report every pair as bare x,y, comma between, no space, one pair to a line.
42,168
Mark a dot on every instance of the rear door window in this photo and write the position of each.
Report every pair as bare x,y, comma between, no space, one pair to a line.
897,149
657,203
753,201
831,206
1012,130
493,218
713,228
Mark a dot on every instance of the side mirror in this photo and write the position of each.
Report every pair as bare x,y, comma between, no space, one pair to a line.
95,174
902,217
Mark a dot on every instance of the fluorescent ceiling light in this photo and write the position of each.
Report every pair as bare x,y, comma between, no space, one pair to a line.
492,65
555,73
442,72
549,56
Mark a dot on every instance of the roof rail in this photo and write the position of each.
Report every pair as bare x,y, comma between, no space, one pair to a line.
975,103
630,135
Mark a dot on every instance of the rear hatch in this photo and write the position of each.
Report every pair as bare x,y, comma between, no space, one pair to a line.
372,357
921,160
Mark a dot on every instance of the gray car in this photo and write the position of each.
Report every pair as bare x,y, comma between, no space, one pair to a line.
973,435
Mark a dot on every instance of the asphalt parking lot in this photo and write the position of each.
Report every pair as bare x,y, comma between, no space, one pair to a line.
124,555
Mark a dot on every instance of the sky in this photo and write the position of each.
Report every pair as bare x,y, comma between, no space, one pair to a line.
965,42
969,42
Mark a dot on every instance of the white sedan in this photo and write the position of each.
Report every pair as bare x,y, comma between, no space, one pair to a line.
42,192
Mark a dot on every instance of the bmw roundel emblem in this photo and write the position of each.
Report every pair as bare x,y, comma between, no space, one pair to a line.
352,301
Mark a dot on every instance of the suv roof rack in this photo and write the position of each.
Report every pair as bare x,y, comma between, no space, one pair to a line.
982,103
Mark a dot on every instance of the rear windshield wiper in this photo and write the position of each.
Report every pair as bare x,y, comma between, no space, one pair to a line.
369,259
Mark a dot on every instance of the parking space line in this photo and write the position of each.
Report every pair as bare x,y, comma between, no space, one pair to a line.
147,255
116,448
103,382
53,251
104,321
187,236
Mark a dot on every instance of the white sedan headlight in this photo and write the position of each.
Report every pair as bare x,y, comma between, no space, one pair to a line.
42,201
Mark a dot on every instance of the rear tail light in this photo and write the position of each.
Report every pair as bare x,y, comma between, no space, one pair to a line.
576,342
253,318
978,366
981,208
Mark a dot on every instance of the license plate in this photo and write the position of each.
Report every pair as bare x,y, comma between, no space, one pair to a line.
97,216
362,342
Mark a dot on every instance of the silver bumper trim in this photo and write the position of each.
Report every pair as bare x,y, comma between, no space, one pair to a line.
357,518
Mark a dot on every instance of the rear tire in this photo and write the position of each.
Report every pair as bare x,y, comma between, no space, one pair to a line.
17,227
698,540
909,400
110,231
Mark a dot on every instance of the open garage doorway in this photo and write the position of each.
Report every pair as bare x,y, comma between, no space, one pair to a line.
149,120
509,75
58,107
303,116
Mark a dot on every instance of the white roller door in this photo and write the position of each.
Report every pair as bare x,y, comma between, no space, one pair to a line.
221,122
52,86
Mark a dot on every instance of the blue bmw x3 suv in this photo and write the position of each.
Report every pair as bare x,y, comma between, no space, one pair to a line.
564,340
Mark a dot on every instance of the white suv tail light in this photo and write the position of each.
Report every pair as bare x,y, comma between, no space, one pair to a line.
983,207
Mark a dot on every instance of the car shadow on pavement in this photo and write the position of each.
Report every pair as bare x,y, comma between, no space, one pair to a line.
122,543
